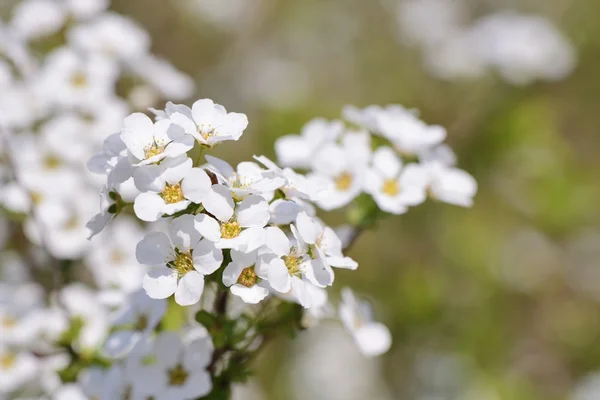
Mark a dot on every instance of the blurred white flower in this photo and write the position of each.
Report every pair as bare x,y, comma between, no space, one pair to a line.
32,19
372,338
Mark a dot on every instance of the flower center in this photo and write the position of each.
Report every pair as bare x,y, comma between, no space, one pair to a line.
141,323
8,322
172,193
116,257
153,149
51,162
7,360
206,132
177,375
72,223
183,262
390,187
292,263
247,277
343,181
79,79
230,230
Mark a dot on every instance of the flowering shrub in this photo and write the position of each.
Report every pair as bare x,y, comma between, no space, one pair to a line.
190,265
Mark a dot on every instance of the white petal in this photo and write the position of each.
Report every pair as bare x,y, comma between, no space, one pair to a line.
189,288
149,206
154,249
207,258
196,185
301,292
309,228
208,227
284,212
342,262
219,202
250,295
137,133
231,273
319,273
221,166
175,169
279,278
387,162
160,282
277,241
183,232
149,178
253,211
373,339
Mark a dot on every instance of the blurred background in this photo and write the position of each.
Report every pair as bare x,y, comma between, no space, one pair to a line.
501,301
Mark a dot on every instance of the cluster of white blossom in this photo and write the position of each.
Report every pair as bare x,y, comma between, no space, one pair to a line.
386,152
522,48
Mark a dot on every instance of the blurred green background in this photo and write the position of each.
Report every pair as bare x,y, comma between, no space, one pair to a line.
509,290
504,298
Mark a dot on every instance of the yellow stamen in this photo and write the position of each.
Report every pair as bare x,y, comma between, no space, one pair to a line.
183,263
177,375
172,193
292,263
343,181
79,79
247,277
51,162
7,360
390,187
154,149
230,230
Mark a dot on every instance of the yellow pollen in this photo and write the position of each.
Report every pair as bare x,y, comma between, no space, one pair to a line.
177,375
230,230
36,198
172,193
343,181
205,133
51,162
72,223
292,264
154,149
8,322
183,263
79,79
141,323
7,360
390,187
247,277
116,257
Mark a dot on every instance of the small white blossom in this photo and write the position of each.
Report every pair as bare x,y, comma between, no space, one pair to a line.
372,338
240,277
209,123
181,259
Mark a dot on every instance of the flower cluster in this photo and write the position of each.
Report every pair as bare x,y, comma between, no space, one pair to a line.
523,48
252,224
385,152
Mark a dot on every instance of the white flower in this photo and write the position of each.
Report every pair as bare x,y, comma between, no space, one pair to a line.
171,187
297,151
149,142
343,168
81,303
240,277
367,118
210,123
163,76
82,9
111,35
36,18
75,82
395,187
295,184
247,178
285,267
137,318
325,247
102,384
524,48
450,185
99,221
181,259
407,132
112,261
16,369
178,368
244,231
372,338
